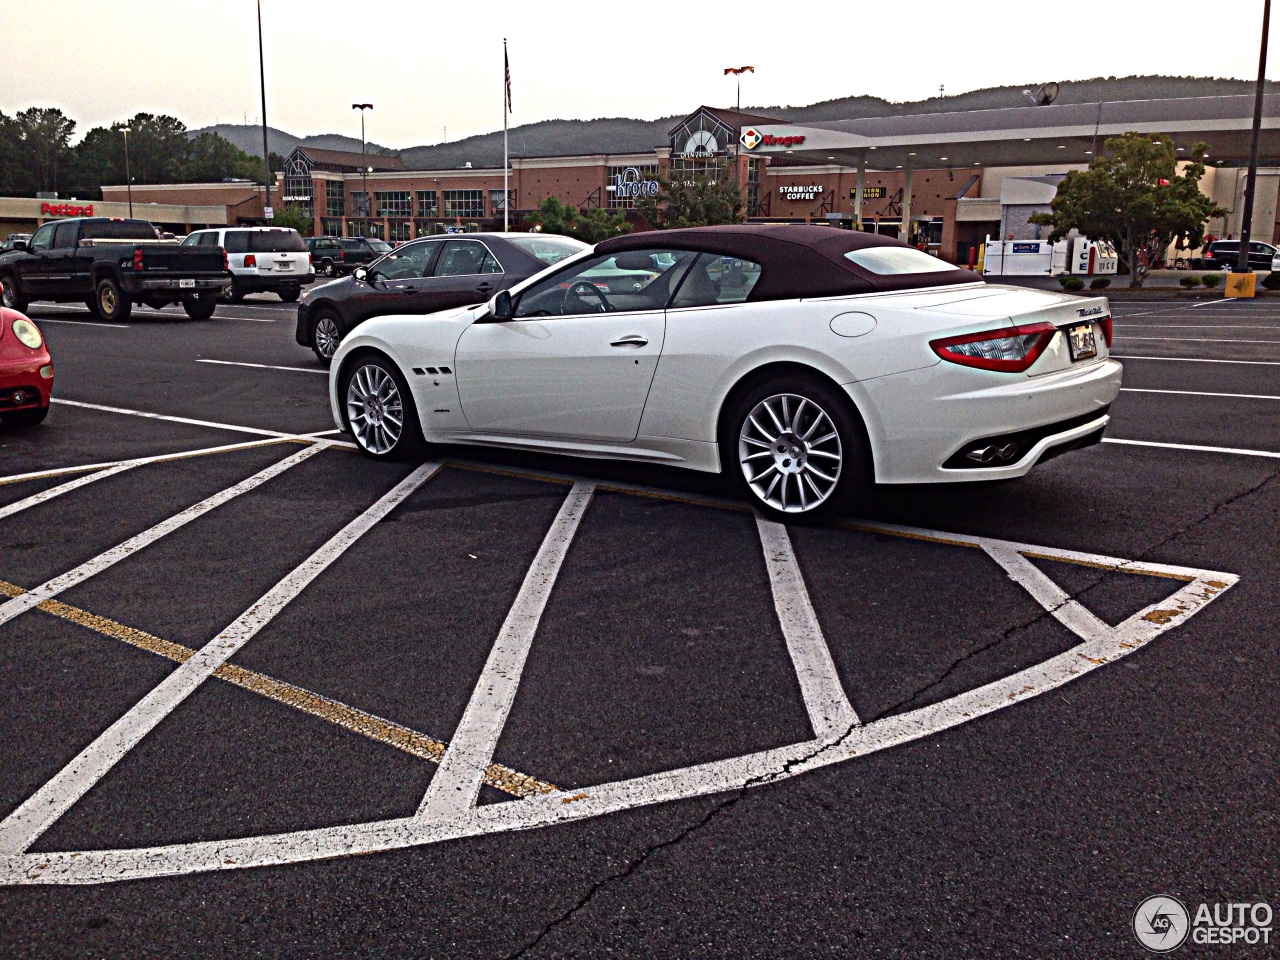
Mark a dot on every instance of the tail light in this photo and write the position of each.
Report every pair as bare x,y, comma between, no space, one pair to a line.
226,263
250,260
1010,349
1105,324
137,259
342,254
1208,254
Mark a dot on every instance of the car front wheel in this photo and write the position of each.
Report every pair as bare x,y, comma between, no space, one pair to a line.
10,295
795,447
380,409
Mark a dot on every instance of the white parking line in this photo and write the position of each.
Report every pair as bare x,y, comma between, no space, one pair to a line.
1195,340
1209,303
830,712
1256,363
141,461
1201,393
84,323
40,811
456,785
1070,613
263,366
1236,451
1200,326
187,420
90,568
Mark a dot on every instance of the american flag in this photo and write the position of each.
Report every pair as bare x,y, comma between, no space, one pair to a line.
506,65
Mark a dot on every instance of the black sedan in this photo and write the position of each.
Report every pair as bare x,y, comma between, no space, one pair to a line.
423,276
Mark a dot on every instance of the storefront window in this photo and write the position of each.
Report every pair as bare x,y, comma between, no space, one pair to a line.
334,198
630,184
391,203
496,203
331,226
400,230
464,203
427,204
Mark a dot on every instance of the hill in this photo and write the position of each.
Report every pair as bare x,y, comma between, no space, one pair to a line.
625,135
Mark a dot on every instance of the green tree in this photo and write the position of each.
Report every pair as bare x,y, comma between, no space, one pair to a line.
9,155
697,201
590,226
292,215
1135,198
97,160
210,158
44,148
157,148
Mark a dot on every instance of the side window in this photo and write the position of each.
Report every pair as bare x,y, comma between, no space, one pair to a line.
42,238
209,239
64,235
236,241
715,279
631,280
407,262
464,258
190,240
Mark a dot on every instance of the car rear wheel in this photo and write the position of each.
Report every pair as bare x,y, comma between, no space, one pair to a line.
380,410
113,305
10,295
290,294
328,269
795,447
200,306
232,292
325,336
25,418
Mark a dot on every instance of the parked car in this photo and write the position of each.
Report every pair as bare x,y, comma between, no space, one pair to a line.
1223,254
803,360
109,265
15,241
334,256
422,276
26,371
261,259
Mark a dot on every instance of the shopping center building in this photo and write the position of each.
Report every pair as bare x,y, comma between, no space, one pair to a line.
945,180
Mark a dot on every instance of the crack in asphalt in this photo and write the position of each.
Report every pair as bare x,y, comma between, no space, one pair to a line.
1049,611
737,795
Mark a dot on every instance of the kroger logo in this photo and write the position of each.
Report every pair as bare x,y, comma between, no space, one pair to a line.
752,138
628,184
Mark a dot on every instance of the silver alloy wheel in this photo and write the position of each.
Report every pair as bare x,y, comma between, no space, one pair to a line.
327,337
375,409
790,453
8,295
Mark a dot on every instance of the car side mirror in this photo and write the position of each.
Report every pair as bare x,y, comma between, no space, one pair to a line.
19,244
500,306
361,274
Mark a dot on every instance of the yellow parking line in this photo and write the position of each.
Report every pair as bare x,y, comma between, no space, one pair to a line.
313,704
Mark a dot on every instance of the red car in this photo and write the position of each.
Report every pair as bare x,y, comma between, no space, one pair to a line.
26,371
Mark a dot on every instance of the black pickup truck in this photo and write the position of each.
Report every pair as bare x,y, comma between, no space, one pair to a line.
109,265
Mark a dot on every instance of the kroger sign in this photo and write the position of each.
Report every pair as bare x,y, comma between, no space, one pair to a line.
752,138
628,185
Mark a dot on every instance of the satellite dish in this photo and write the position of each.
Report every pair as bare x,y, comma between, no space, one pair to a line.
1046,94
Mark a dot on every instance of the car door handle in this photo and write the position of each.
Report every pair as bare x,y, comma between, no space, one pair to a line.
634,340
484,287
404,289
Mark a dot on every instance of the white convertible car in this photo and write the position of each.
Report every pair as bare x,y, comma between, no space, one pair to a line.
805,360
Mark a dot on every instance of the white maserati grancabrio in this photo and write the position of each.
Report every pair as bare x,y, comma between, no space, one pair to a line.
807,361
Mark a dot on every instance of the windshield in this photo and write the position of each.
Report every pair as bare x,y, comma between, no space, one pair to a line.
380,247
117,230
548,249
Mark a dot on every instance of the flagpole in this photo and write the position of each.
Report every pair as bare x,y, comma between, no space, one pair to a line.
506,165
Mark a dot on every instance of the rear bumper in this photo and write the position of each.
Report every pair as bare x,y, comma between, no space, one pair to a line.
271,282
920,422
176,285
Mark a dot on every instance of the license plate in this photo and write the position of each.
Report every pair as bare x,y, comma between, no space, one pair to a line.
186,284
1083,342
285,266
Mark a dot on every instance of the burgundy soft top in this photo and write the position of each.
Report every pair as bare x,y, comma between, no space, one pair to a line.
797,259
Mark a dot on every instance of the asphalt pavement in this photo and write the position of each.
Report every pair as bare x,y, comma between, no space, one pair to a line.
265,697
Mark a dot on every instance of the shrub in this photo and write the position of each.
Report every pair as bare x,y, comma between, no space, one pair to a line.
1099,283
1271,281
1189,282
1071,284
1211,280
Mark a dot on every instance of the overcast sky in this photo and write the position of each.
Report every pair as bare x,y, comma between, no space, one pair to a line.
427,66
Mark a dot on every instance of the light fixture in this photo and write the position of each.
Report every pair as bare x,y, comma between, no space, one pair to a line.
977,163
1062,146
900,165
910,154
1088,151
830,158
1182,149
872,148
942,158
1026,139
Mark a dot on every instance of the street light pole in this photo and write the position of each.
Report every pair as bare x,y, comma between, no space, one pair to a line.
128,177
364,169
1242,258
266,154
